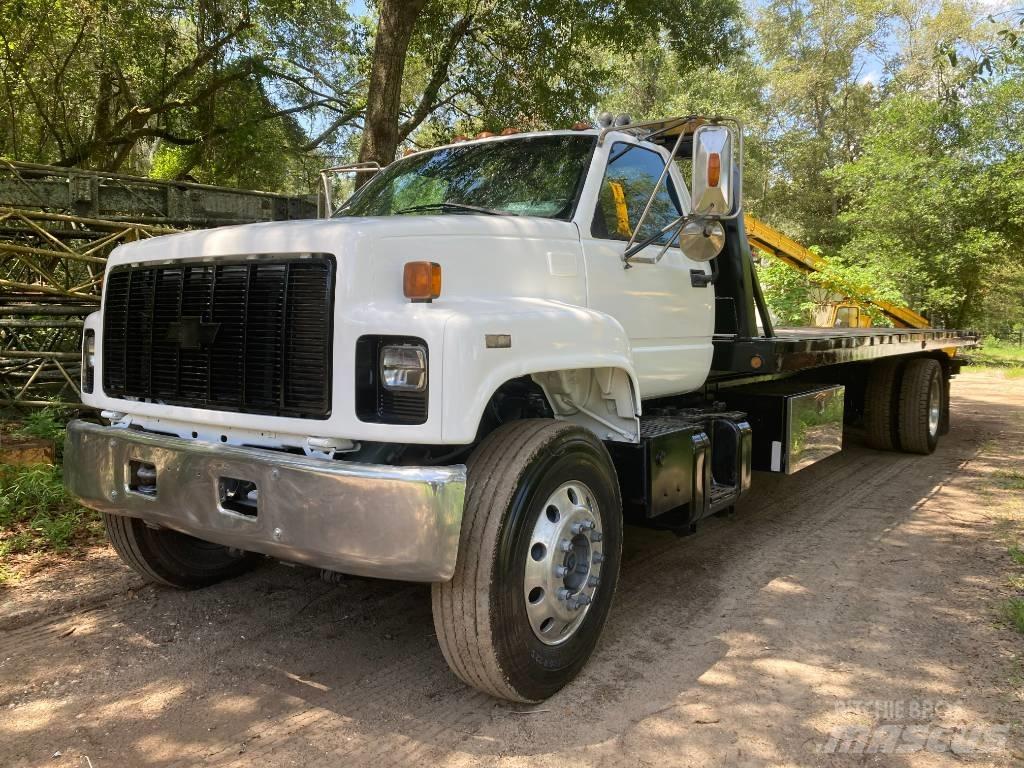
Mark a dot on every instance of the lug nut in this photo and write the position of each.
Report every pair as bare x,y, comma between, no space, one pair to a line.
565,545
596,536
593,581
563,594
582,526
579,601
560,571
598,558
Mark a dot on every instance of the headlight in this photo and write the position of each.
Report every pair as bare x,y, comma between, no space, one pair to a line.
404,368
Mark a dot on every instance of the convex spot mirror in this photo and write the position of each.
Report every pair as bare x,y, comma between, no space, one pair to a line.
713,193
702,240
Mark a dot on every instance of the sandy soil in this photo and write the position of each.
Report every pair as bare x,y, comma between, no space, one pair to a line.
862,592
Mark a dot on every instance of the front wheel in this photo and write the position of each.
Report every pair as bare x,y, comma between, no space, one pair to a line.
172,559
538,560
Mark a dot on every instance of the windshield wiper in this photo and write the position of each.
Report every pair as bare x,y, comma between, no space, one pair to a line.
453,207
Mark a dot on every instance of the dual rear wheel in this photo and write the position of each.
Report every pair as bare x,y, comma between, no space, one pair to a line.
906,405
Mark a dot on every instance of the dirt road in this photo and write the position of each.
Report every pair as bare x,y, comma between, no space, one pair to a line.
856,599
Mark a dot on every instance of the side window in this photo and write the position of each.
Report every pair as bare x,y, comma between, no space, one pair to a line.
628,182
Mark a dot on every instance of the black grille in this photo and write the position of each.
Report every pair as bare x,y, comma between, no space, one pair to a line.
252,336
375,403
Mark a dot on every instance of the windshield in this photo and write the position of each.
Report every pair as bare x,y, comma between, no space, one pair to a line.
528,177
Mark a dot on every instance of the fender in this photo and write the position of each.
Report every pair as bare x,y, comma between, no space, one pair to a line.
586,350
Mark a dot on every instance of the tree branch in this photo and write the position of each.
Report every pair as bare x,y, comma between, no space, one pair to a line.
438,77
347,116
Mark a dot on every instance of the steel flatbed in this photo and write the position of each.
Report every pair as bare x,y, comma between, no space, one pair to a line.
792,350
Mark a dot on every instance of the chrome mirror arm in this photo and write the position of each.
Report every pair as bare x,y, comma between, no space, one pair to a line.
677,224
325,186
654,193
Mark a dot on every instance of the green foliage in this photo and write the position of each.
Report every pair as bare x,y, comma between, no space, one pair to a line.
1017,554
240,93
44,424
109,84
921,206
36,513
902,167
1005,355
787,292
1013,612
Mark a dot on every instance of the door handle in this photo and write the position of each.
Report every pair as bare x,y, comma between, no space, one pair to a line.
701,279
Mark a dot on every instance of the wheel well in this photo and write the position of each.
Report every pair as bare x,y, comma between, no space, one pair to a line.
516,399
602,400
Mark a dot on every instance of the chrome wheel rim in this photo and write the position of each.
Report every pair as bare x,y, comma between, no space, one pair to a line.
563,563
934,408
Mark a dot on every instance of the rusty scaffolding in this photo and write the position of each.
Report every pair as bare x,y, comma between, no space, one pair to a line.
57,227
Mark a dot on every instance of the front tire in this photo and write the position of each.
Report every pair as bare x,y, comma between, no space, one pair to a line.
538,560
172,559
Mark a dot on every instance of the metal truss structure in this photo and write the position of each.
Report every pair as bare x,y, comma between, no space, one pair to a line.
57,227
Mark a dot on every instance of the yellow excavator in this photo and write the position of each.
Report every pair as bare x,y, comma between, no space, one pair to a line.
833,311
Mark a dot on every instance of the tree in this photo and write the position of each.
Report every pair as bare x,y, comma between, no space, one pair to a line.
397,18
521,62
112,85
936,202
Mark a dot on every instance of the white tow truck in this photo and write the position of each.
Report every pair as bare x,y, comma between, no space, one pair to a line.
472,373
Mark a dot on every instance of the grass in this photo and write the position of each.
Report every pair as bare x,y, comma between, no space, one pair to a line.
999,355
1013,612
1017,554
37,515
1012,480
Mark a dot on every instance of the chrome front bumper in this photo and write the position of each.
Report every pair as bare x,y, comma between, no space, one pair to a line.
363,519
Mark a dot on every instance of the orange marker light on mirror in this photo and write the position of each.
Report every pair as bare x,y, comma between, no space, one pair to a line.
714,169
421,280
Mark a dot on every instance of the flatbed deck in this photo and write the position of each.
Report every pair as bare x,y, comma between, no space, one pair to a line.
797,349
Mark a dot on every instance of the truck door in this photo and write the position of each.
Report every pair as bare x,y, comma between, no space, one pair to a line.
669,320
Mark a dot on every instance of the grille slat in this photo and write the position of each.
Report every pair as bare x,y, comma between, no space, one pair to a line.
252,336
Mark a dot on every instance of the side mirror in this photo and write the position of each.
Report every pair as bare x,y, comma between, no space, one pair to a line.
714,194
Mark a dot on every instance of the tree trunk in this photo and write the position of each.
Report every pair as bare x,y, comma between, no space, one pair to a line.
394,31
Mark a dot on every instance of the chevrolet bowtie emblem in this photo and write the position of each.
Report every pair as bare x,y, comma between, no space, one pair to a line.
192,333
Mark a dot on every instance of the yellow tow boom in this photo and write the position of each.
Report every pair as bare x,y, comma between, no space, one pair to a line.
790,252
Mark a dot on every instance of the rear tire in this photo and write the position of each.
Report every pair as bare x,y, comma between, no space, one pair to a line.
166,557
531,484
921,406
880,404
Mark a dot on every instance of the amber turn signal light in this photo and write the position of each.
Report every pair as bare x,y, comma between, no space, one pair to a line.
421,280
714,169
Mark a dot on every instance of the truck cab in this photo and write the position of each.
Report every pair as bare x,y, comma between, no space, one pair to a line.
465,374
